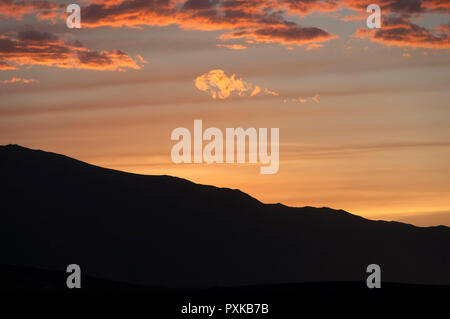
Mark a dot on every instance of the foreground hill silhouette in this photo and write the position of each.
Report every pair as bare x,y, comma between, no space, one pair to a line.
167,231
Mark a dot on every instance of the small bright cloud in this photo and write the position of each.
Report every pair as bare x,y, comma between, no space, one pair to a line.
219,85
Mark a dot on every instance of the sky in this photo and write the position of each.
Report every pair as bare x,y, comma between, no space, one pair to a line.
363,114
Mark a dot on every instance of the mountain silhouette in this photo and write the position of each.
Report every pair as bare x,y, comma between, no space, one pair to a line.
167,231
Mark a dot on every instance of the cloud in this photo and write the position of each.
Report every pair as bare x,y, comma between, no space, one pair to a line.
401,6
232,46
355,17
42,9
6,66
264,21
397,26
313,46
441,6
399,31
19,80
206,14
256,20
41,48
269,92
287,34
219,85
304,7
255,91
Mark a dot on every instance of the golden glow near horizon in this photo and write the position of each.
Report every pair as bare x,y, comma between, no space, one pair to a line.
362,114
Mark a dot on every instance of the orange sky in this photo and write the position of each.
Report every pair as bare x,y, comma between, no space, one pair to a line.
363,114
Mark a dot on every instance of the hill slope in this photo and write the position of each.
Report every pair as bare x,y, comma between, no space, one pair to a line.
161,230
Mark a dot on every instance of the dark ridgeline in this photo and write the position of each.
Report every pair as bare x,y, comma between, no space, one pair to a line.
167,231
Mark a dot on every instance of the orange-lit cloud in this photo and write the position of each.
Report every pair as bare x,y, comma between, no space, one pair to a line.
255,91
401,32
6,66
254,20
355,17
232,46
41,8
219,85
314,46
401,6
437,5
397,26
269,92
303,7
284,34
19,80
259,21
42,48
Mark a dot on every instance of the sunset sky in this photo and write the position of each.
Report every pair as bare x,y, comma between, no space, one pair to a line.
363,114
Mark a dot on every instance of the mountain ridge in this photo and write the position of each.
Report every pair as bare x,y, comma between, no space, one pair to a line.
167,231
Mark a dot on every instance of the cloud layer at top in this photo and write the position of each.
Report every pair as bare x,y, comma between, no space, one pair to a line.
254,21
